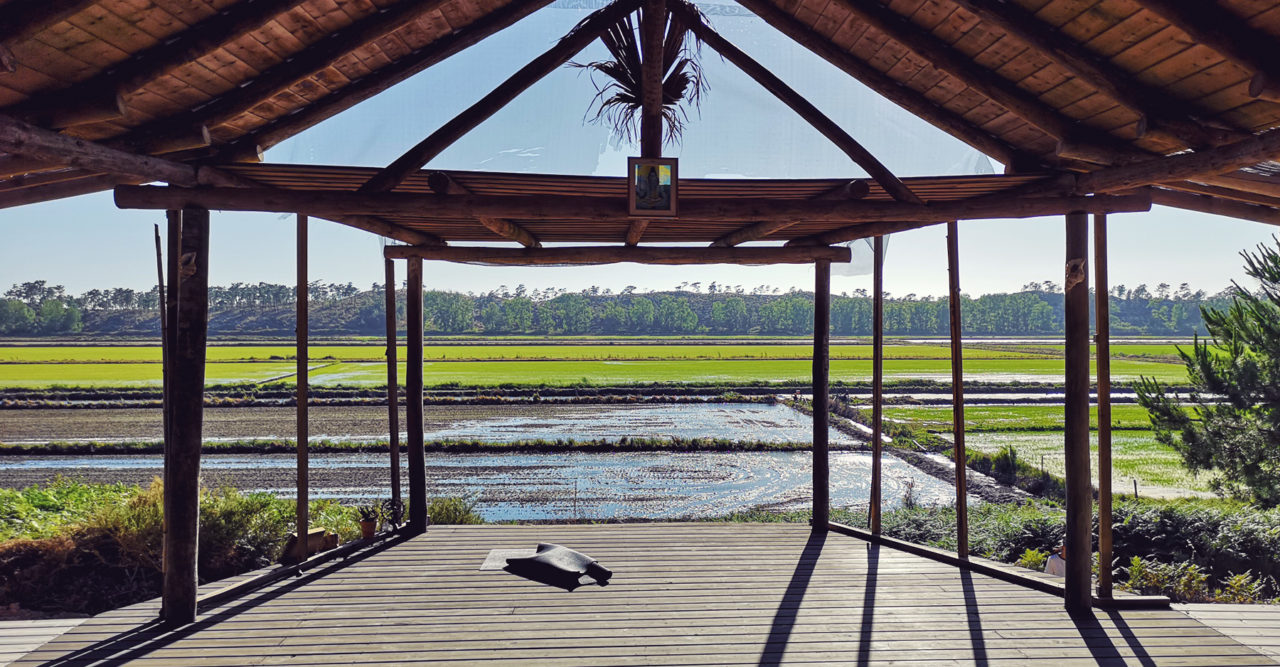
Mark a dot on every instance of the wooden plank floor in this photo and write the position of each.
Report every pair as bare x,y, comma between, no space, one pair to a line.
17,638
682,594
1255,625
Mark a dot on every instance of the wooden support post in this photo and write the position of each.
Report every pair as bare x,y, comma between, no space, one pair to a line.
303,510
821,393
186,402
1102,317
413,399
653,24
393,389
174,220
1076,442
877,381
958,452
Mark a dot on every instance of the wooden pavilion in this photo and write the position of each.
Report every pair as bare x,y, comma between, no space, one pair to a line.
1094,106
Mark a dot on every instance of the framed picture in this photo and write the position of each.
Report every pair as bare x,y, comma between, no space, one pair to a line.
654,186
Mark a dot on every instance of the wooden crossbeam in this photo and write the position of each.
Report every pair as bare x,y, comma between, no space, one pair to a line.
443,184
606,209
568,46
1219,29
1213,161
587,255
20,19
1216,206
1163,114
383,78
828,128
63,189
904,96
109,86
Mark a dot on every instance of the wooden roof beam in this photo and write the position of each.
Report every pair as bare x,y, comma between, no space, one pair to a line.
855,189
357,91
991,85
568,46
1223,31
311,59
1168,116
443,184
1183,166
61,190
107,90
608,209
20,19
591,255
905,97
1216,206
806,110
653,30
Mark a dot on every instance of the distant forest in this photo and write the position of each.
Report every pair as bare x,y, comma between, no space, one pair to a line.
39,309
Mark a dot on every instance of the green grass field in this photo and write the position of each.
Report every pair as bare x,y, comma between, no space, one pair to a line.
1014,417
33,376
1134,455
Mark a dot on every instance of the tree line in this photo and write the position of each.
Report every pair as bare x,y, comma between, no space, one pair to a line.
39,309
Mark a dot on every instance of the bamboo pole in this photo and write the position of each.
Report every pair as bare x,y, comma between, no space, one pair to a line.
957,393
303,511
1102,316
1076,438
413,399
187,406
393,390
821,394
877,381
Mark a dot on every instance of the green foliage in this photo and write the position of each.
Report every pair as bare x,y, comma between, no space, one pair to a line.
453,510
1235,424
1240,588
1033,559
37,512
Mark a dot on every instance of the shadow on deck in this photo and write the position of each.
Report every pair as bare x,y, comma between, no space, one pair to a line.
682,594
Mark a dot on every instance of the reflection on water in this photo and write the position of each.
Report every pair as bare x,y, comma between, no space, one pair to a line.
653,485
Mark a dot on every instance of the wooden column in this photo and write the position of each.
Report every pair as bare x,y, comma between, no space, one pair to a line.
958,452
1102,317
303,506
413,399
877,381
186,405
821,393
393,390
1076,441
653,25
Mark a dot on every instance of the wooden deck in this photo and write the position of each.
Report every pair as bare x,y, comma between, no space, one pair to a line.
682,594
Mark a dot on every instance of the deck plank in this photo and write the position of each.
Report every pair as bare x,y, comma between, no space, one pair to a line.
682,594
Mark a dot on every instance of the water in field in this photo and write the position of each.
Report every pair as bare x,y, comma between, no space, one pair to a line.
651,485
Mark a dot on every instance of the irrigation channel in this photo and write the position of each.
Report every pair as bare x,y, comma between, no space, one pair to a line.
516,485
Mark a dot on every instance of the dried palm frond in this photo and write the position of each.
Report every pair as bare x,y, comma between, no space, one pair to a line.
619,101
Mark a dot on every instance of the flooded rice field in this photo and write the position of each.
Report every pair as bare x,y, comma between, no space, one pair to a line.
492,423
644,485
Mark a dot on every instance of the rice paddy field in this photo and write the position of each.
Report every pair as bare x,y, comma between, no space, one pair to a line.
597,364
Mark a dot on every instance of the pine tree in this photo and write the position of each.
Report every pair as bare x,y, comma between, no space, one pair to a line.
1233,426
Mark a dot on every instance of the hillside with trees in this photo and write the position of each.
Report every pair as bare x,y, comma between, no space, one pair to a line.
36,309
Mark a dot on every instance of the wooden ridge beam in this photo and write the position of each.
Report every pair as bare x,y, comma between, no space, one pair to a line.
806,110
913,101
1216,206
1209,162
607,209
384,78
1219,29
148,65
313,58
1163,114
443,184
986,82
20,19
568,46
586,255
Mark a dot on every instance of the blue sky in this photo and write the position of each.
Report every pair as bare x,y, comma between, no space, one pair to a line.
741,131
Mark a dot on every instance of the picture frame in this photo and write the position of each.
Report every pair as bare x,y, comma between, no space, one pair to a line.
653,186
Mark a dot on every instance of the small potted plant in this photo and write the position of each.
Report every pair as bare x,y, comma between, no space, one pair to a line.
369,516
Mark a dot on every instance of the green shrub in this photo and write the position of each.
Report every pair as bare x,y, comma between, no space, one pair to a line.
1241,588
453,510
1033,559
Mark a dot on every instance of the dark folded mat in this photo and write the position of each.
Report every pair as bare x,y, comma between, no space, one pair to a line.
558,566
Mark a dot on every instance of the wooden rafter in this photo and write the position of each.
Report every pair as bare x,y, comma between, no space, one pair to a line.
1216,206
653,23
905,97
587,255
1163,114
568,46
383,78
107,88
442,184
1183,166
601,209
20,19
64,189
1225,32
855,189
801,106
